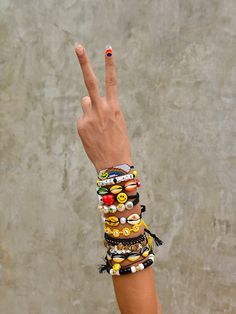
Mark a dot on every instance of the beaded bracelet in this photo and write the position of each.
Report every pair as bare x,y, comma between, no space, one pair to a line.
115,180
129,186
114,171
125,231
121,198
117,270
120,207
115,221
130,256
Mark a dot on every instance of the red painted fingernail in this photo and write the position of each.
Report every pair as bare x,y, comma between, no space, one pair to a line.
108,50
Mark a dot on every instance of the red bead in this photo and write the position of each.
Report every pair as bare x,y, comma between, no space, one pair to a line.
108,199
138,183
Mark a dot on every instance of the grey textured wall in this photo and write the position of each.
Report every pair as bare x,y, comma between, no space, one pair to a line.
177,74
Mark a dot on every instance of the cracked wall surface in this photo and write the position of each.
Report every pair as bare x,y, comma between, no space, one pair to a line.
176,63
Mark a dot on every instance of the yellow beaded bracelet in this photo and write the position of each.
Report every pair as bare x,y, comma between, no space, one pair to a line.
125,231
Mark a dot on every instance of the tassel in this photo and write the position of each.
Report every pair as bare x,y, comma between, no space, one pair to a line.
102,268
143,208
157,240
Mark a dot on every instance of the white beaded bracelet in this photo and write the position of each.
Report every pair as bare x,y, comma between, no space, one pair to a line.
115,180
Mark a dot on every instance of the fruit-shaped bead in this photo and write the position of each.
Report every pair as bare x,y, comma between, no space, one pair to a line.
115,189
108,199
138,183
122,197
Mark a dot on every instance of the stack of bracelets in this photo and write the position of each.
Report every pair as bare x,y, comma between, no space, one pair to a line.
117,194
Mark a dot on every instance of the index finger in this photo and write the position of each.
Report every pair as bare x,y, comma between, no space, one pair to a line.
88,74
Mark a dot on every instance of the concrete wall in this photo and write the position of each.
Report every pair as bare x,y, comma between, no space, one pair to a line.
177,74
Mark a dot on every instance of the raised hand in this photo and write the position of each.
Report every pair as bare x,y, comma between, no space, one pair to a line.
102,126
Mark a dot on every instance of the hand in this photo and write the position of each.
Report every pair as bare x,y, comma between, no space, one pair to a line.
102,127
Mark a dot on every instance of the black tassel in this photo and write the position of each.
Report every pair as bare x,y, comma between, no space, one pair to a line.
143,208
102,268
156,239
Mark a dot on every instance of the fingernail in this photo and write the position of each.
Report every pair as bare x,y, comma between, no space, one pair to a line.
79,49
108,50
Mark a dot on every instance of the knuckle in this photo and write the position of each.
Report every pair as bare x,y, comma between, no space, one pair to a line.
111,81
91,83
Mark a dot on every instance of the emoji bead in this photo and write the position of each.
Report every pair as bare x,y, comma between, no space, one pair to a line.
104,175
108,199
129,205
120,207
130,186
122,198
115,189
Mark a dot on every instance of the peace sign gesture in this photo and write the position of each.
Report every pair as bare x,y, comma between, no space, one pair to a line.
102,126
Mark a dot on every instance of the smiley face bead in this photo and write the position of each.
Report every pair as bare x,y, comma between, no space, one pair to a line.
104,175
122,198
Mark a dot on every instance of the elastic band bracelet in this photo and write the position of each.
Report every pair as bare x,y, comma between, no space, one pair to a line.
120,207
117,270
115,180
114,171
125,231
121,198
115,221
129,186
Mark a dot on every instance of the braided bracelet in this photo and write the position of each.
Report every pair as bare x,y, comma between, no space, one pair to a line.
113,241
